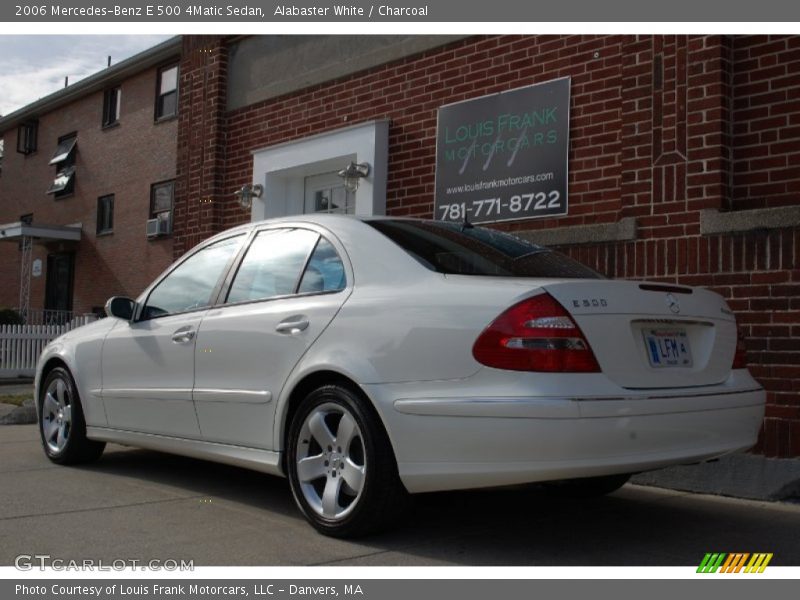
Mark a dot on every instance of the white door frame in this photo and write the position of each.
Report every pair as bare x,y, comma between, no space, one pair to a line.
282,168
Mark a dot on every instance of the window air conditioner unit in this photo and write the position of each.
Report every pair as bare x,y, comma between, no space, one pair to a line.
157,227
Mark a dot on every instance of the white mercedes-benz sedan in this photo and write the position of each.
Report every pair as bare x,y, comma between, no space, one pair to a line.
369,358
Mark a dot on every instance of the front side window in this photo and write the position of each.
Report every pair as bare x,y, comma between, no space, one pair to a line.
105,214
190,285
457,249
162,199
112,101
167,92
272,265
64,161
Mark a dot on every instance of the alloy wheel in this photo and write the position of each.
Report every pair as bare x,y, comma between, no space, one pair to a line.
331,461
57,415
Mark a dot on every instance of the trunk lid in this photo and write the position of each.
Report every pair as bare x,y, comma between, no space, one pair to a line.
649,335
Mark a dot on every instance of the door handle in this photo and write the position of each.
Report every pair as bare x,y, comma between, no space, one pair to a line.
292,325
183,335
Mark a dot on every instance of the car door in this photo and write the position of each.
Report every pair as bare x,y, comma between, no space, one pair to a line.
148,363
286,290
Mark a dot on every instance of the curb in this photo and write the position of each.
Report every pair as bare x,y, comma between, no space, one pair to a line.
21,415
738,475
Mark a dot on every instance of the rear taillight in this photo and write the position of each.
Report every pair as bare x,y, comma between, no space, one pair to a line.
537,334
740,356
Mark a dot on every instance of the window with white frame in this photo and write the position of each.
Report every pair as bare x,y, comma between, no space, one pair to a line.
326,193
167,92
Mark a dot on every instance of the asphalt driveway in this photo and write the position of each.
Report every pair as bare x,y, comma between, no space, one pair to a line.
136,504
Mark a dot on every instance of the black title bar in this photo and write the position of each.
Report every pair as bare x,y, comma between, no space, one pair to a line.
414,11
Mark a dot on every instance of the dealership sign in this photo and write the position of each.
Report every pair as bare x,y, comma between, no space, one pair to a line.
504,157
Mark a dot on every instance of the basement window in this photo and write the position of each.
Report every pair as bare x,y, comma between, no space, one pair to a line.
64,161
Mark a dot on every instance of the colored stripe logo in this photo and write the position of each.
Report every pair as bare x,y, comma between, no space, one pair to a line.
736,562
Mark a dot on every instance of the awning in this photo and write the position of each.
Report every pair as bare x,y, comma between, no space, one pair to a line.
64,149
62,180
42,234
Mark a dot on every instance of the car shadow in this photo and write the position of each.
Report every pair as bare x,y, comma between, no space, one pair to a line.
522,526
198,478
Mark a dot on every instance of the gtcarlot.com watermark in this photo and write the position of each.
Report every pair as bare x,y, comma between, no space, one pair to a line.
30,562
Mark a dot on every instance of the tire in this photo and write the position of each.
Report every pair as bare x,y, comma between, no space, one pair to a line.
62,426
341,466
588,487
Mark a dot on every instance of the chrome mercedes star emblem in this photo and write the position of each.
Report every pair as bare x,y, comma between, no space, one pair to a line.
672,302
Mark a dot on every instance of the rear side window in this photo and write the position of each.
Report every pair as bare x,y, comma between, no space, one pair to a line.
455,249
324,271
272,265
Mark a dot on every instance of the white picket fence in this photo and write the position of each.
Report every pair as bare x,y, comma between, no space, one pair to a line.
21,345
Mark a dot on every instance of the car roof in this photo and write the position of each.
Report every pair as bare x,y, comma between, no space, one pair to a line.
321,219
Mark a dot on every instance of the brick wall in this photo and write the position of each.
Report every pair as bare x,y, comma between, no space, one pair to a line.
766,128
124,160
201,195
662,127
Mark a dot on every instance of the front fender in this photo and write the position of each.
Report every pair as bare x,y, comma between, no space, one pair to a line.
81,351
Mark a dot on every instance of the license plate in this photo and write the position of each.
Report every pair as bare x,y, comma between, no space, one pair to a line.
667,347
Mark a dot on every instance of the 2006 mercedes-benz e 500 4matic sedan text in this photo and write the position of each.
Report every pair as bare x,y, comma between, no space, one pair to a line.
366,359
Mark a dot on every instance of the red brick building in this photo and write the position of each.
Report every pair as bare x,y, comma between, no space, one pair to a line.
684,162
84,170
684,156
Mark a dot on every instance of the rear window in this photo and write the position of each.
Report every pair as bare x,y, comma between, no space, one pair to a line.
455,249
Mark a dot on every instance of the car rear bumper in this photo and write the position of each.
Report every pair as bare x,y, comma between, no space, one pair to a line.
444,443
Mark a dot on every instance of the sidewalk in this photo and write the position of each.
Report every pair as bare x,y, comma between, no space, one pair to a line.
16,386
17,415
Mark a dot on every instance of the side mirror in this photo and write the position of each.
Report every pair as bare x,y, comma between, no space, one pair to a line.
120,307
